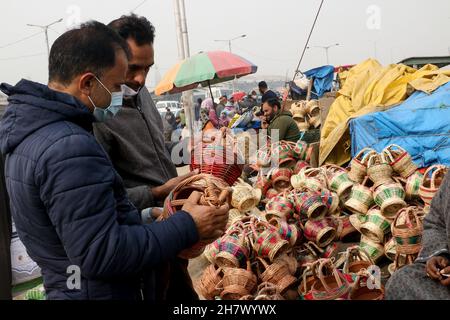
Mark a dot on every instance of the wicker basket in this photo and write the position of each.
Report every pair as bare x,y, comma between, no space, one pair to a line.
271,193
358,165
322,232
299,109
356,260
374,250
338,181
390,249
309,204
357,220
376,225
266,241
400,160
330,284
244,196
238,282
307,280
390,198
215,193
432,180
313,178
288,232
361,197
345,229
279,206
407,231
262,183
268,291
299,166
331,200
281,178
219,158
282,154
208,285
233,248
278,274
379,170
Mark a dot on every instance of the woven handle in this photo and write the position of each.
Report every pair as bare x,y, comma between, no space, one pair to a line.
388,153
438,170
322,265
362,153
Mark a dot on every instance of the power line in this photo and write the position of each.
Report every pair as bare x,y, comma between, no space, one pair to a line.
20,57
21,40
307,41
140,4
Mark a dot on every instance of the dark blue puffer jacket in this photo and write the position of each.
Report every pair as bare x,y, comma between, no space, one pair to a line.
69,204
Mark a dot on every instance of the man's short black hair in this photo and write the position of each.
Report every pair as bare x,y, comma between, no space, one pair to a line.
262,85
274,102
137,28
91,47
199,100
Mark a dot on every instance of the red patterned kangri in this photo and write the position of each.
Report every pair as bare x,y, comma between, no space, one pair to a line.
400,160
309,204
281,178
266,241
279,206
432,180
322,232
217,157
358,165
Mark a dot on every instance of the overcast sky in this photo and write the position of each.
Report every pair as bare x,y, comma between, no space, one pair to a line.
276,31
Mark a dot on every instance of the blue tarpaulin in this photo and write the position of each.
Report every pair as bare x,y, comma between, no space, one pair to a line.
420,125
323,79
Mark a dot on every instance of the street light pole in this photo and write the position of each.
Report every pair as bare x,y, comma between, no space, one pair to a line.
326,49
45,28
229,48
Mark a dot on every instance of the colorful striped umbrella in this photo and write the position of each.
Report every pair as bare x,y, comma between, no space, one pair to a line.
204,69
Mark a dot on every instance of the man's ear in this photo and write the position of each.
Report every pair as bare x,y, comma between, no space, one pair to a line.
86,83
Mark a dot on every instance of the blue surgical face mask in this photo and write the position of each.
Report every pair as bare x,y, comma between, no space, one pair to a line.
100,114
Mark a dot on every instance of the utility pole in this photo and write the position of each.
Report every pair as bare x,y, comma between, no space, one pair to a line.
45,28
326,48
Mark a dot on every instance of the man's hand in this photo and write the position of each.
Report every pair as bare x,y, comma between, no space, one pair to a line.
210,222
161,192
445,273
435,265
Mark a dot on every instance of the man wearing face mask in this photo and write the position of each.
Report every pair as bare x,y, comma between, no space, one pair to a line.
134,140
69,205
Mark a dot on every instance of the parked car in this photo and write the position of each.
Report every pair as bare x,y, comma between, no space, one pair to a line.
171,104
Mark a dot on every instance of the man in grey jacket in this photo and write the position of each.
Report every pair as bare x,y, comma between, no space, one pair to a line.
135,143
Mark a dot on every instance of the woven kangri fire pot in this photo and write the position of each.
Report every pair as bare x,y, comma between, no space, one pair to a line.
233,216
278,274
290,260
331,200
282,154
233,248
299,108
309,204
302,122
407,230
357,220
266,241
400,160
300,150
412,186
208,285
390,249
281,178
360,292
345,229
431,182
238,282
264,156
268,291
338,181
379,170
314,178
390,198
244,196
280,206
361,197
358,165
263,183
376,225
288,232
330,283
299,166
309,276
218,158
356,260
374,250
215,192
211,250
322,232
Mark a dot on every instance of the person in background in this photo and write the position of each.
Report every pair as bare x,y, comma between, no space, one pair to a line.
69,204
266,93
279,120
182,117
223,120
197,107
208,105
169,124
223,100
